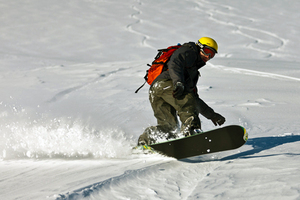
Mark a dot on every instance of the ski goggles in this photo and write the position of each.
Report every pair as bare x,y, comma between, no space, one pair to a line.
208,51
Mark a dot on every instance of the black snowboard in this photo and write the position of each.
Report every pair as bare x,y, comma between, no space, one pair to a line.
221,139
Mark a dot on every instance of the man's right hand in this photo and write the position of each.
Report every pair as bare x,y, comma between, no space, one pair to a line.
178,92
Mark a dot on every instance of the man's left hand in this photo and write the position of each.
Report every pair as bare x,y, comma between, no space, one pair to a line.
218,119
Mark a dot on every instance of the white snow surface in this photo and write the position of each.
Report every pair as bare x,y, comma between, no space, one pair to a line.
69,116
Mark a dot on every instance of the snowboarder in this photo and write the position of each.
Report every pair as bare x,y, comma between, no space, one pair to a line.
174,92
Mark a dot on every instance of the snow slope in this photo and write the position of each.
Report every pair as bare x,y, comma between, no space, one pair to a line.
69,116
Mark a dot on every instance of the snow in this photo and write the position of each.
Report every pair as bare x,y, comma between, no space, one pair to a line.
69,115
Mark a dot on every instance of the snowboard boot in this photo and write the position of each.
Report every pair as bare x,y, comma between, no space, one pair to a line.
154,134
188,128
145,138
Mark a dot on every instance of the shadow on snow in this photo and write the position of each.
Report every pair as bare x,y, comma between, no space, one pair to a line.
258,144
264,143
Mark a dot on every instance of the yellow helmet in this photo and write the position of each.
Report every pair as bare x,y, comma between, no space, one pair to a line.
207,41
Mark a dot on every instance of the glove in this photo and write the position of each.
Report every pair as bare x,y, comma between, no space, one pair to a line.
178,92
218,119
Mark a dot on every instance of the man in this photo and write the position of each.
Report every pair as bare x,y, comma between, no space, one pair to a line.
174,92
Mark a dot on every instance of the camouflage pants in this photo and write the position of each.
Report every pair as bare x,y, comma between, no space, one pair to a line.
166,108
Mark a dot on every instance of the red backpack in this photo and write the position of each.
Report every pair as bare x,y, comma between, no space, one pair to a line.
159,64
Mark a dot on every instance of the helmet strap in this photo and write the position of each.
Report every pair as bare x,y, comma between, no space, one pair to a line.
200,45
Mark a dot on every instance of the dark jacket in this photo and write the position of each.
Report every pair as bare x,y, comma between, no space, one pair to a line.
183,66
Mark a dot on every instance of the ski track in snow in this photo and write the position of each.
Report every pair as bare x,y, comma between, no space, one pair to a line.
65,92
262,41
255,73
138,21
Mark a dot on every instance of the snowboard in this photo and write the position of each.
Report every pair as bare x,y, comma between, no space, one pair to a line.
221,139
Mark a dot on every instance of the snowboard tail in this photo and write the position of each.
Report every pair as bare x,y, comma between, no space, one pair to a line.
221,139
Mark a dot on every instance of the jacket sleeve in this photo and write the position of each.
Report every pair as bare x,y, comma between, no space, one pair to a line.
204,109
181,59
